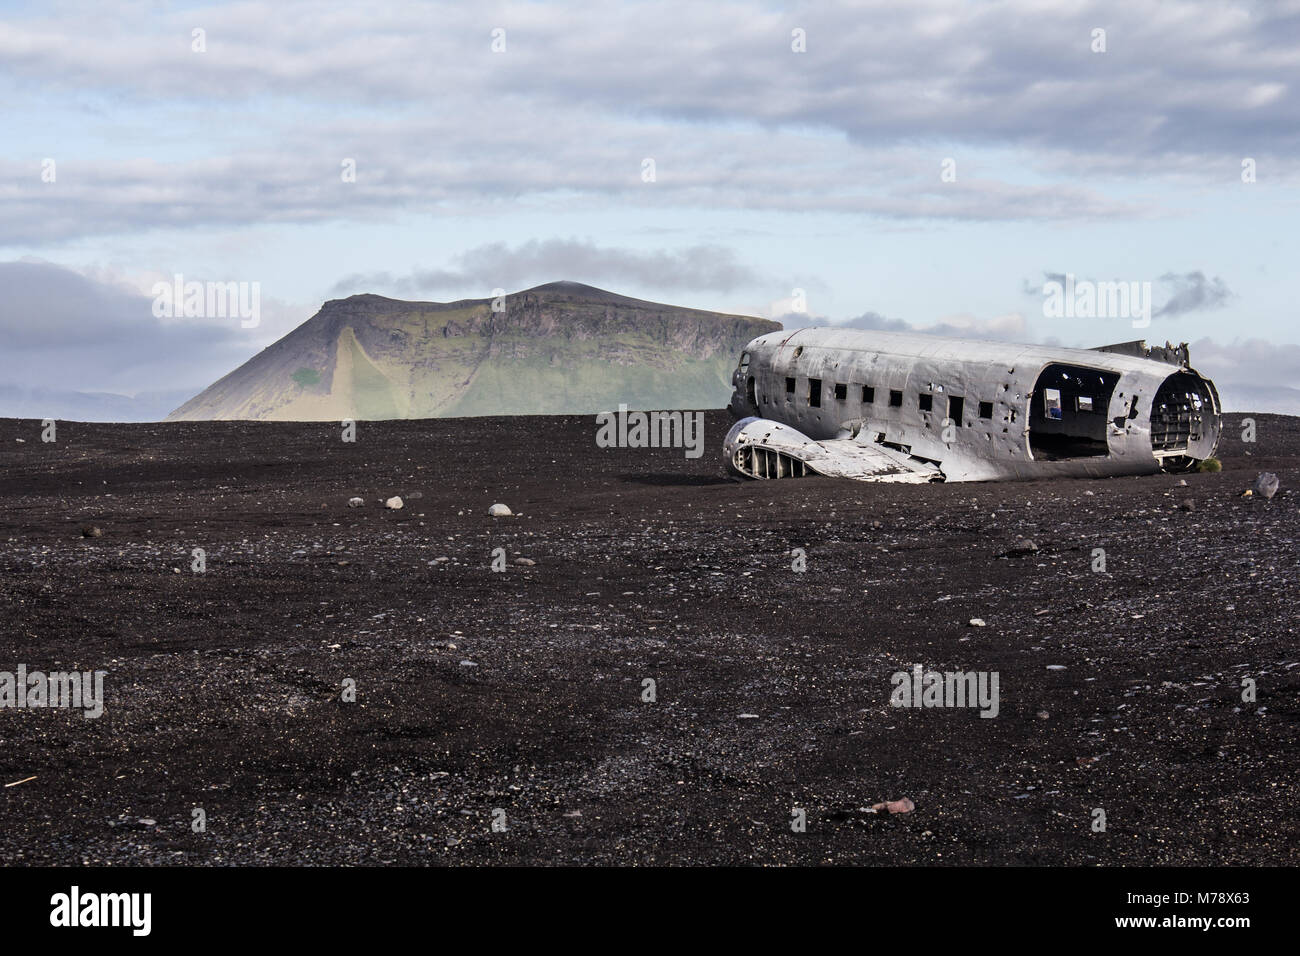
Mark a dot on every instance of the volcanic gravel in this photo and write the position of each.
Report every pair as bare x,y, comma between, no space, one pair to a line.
501,717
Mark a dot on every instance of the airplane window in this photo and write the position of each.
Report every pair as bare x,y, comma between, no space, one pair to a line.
744,362
815,392
956,408
789,386
927,402
895,398
1083,403
841,392
1052,403
868,395
986,409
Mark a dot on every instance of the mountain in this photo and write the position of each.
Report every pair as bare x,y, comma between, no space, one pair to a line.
556,349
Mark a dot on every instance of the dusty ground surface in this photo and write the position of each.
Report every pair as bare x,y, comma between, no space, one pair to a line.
522,691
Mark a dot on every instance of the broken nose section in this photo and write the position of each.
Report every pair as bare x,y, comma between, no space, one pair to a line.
762,448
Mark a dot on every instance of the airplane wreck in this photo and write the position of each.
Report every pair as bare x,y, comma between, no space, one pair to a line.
903,407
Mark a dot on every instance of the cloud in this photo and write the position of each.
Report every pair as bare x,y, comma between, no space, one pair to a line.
1002,328
497,265
1251,374
1248,361
46,305
257,124
64,331
1193,292
1197,76
1185,291
876,321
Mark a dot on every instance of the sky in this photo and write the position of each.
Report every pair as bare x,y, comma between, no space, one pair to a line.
926,165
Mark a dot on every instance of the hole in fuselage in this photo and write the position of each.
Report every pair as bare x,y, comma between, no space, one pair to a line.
1067,412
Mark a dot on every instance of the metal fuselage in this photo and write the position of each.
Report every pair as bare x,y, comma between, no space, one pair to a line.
973,410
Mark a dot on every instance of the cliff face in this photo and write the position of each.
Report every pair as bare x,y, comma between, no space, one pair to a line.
561,348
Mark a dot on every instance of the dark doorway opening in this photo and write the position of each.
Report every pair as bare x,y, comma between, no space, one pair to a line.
1067,412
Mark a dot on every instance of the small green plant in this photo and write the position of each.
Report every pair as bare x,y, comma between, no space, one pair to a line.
1209,464
306,376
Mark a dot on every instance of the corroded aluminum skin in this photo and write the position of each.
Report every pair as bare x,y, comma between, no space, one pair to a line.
1005,374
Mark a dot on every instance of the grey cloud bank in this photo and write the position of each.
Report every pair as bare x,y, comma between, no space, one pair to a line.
851,126
497,265
73,345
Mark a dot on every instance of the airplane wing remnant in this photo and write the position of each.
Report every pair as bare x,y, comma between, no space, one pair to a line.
764,449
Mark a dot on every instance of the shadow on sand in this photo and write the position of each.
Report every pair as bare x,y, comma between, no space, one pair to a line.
669,479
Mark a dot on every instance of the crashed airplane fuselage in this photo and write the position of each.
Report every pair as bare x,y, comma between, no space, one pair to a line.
895,406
